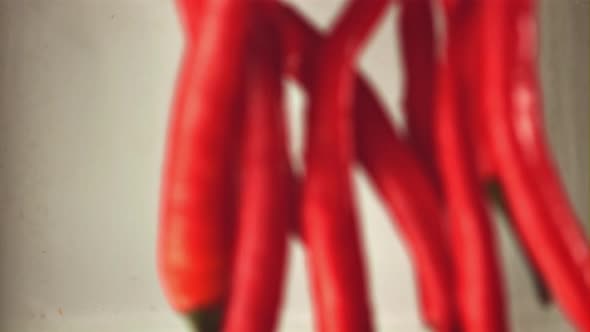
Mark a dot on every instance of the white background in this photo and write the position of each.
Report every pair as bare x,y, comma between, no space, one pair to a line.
84,96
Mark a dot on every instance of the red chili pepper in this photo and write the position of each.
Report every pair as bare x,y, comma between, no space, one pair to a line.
464,55
295,219
478,280
419,58
329,220
190,14
398,174
560,269
194,243
261,240
525,108
411,197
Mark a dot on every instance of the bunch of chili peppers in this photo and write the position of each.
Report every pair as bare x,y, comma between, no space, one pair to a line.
231,199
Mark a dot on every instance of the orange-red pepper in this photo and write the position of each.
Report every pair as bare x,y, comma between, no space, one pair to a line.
194,240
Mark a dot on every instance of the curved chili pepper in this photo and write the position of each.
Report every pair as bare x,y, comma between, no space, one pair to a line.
525,108
419,59
560,270
329,221
261,234
396,171
411,197
194,240
477,271
478,282
463,54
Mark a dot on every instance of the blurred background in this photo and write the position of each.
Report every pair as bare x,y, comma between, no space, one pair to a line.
85,89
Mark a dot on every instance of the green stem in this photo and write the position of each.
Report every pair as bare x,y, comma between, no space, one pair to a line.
205,319
494,191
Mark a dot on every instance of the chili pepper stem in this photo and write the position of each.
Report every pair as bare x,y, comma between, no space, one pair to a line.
205,320
494,191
